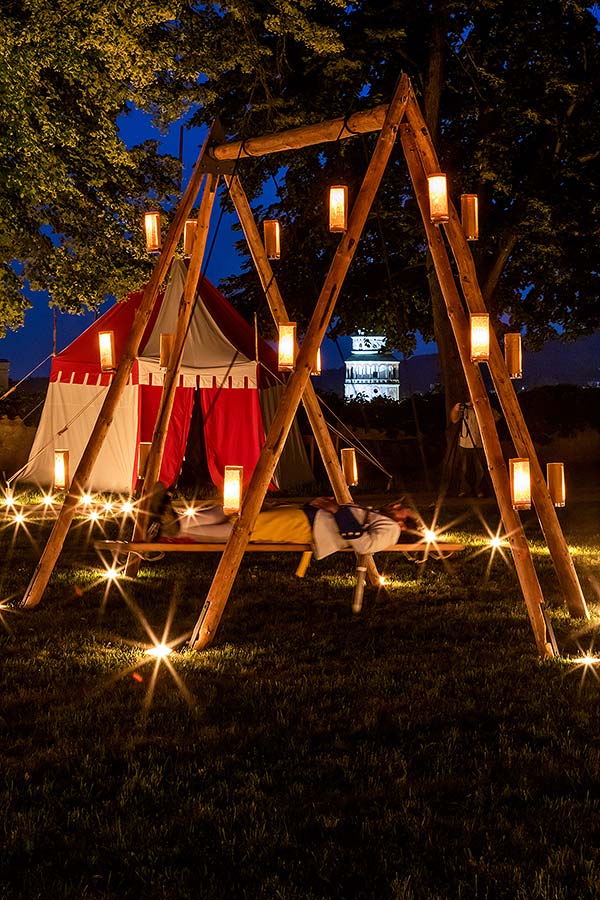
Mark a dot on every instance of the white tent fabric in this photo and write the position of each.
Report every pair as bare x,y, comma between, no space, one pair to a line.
77,406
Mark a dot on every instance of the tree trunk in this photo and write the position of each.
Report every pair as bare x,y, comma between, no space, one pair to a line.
453,378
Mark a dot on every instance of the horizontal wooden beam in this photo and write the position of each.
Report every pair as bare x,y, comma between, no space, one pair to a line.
303,136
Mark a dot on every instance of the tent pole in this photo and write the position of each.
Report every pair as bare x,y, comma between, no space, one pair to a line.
55,542
559,551
220,589
526,573
186,308
279,312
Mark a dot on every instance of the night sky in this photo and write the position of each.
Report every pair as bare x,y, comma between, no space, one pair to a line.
29,346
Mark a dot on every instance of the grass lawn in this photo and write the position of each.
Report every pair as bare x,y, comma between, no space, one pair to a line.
419,750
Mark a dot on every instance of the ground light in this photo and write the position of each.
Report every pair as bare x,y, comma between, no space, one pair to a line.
160,651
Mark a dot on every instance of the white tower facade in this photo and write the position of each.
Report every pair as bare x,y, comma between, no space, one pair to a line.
370,371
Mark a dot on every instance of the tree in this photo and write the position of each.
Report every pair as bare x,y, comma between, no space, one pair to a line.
71,193
513,105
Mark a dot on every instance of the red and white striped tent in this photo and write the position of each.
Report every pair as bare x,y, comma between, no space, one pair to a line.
237,395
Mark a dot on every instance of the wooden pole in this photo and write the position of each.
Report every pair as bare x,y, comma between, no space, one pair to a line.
304,136
55,542
559,551
279,313
186,308
216,600
526,573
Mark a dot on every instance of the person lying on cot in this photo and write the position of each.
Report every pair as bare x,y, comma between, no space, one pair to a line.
321,522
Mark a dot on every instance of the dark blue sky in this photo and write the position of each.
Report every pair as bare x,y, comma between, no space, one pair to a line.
27,347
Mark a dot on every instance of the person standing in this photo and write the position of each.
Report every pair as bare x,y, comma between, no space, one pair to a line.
471,471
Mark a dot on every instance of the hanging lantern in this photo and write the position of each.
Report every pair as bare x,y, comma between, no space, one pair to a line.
189,236
106,346
349,466
469,214
480,337
555,477
513,355
438,198
232,489
316,369
272,238
338,207
166,348
152,229
143,453
61,470
287,346
520,483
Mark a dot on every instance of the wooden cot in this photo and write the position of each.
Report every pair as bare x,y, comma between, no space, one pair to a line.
424,549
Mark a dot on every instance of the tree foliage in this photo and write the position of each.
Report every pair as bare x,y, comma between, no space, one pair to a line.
513,104
71,194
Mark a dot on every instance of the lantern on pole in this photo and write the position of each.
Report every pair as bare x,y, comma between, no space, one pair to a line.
166,347
61,470
520,483
438,198
469,214
480,337
232,489
287,346
272,238
106,346
513,356
189,236
338,207
349,466
555,477
152,229
316,369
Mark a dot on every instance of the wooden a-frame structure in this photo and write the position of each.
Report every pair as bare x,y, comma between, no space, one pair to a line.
220,158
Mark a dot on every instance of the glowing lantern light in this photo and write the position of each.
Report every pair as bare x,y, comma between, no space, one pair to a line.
232,489
106,345
287,346
111,574
520,483
127,507
469,214
272,238
152,229
189,236
94,515
160,651
338,207
61,470
513,355
438,198
86,499
48,500
496,542
9,497
316,369
555,476
430,535
166,348
480,337
19,518
349,467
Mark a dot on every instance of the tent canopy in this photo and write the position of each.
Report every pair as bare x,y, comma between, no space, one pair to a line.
219,370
